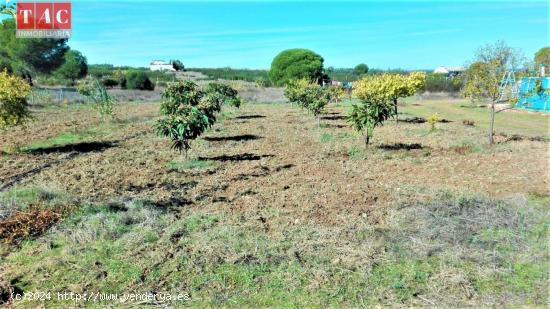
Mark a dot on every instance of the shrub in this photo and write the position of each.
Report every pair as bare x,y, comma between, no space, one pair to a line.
308,95
13,100
442,83
337,94
110,82
188,111
262,82
295,91
375,106
223,94
138,80
361,69
96,92
433,119
74,67
295,64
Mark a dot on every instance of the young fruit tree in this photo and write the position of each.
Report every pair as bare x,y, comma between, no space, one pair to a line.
295,91
485,73
337,94
398,86
189,111
309,96
14,109
318,97
224,95
95,91
374,109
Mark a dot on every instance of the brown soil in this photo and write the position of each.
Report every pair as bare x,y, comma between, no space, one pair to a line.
271,157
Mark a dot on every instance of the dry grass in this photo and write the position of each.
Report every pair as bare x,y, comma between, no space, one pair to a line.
272,211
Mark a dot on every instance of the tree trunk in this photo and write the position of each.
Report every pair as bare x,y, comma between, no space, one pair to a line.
395,110
492,124
367,138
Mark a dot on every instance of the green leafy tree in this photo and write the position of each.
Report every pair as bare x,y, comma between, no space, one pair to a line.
178,65
188,111
361,69
26,57
293,64
371,112
308,95
542,57
75,66
224,95
182,120
295,92
318,97
137,79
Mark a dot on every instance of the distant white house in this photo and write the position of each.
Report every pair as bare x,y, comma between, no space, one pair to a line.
450,71
161,65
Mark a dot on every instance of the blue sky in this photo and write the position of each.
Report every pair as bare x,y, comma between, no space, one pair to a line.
248,34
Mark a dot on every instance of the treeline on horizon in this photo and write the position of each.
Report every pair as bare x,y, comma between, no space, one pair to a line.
434,82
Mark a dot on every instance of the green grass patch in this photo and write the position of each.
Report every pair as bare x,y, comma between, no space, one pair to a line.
456,111
327,137
356,152
467,251
68,138
189,164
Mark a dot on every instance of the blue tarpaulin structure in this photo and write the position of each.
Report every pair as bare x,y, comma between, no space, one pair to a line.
530,99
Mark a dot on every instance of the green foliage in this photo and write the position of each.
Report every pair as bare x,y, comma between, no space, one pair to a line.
110,82
223,94
542,57
262,82
101,70
8,9
235,74
29,56
94,90
178,65
337,94
138,80
295,64
308,95
13,100
482,81
443,83
349,74
75,66
188,111
361,69
367,115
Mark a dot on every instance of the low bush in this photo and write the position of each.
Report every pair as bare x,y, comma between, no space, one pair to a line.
14,108
138,80
442,83
110,82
